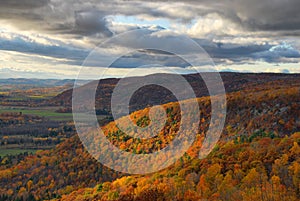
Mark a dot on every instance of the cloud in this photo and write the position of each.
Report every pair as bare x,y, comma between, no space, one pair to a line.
64,16
72,17
24,13
21,43
157,38
25,4
266,15
149,58
213,24
127,45
278,53
91,22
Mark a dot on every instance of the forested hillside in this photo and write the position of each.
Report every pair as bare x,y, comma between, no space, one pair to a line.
260,167
257,157
153,94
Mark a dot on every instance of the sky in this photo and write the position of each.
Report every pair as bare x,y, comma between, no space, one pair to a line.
54,38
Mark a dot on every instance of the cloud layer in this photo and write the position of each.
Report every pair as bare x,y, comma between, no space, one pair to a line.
87,17
233,32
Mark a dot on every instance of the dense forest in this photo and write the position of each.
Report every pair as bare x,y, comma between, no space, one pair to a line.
261,167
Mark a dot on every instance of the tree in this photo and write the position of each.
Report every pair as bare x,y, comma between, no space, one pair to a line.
295,172
29,185
202,187
227,188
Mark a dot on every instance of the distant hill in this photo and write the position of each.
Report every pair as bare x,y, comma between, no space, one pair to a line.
257,155
36,82
155,95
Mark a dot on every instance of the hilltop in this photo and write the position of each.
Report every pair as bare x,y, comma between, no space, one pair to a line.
155,95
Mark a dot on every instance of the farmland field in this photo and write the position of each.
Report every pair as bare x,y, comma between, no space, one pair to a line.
5,152
48,112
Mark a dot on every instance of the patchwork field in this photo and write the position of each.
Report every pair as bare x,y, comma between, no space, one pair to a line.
5,152
48,112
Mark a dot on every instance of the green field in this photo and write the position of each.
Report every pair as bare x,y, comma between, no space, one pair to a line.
5,152
48,113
